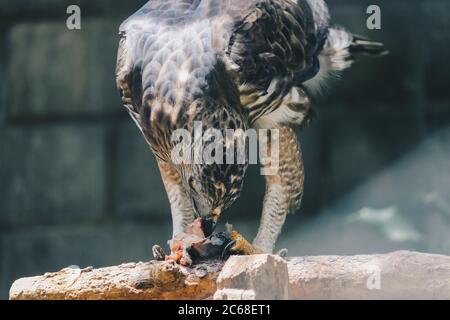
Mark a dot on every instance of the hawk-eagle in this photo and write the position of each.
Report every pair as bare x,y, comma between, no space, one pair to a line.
231,64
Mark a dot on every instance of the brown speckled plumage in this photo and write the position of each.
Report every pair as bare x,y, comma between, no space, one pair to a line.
230,64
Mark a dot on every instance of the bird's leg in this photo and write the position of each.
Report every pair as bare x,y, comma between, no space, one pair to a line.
180,204
284,189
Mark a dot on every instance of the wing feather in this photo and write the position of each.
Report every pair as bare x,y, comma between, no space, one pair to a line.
268,46
275,48
129,83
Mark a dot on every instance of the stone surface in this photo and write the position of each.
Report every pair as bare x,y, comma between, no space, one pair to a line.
71,72
397,275
152,280
138,188
11,12
436,51
52,174
356,150
3,68
258,277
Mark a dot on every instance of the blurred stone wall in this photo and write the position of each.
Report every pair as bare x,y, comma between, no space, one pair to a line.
78,184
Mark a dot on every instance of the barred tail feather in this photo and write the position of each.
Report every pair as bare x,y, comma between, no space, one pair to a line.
339,52
361,45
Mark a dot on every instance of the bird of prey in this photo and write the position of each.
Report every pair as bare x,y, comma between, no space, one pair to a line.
235,64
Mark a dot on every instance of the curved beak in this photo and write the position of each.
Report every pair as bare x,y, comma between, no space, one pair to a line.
209,223
208,226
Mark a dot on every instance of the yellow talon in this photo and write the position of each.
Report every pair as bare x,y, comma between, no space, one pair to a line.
242,246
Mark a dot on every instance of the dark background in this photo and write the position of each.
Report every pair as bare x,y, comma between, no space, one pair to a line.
78,185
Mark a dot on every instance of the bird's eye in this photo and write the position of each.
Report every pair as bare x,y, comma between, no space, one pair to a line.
192,184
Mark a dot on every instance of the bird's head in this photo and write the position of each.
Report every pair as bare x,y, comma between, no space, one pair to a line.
212,189
216,181
215,108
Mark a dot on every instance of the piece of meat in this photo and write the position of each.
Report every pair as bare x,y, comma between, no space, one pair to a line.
191,246
213,247
180,243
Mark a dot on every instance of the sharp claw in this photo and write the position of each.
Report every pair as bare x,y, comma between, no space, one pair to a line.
227,250
242,246
158,253
283,253
186,260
